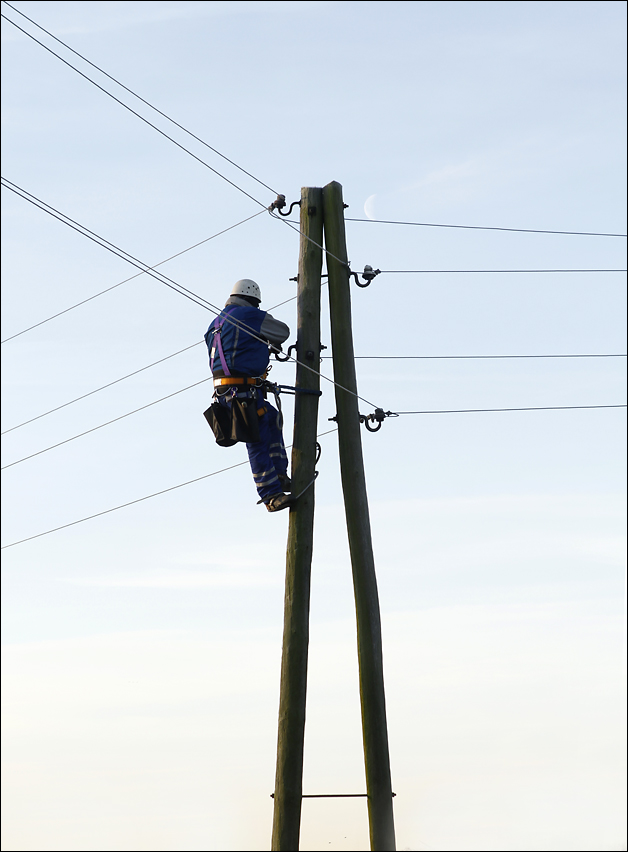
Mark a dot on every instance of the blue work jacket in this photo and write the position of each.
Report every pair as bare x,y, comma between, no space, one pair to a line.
245,355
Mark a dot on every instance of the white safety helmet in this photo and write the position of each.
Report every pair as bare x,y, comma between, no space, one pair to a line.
247,287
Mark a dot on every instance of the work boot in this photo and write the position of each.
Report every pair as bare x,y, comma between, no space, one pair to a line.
285,481
279,501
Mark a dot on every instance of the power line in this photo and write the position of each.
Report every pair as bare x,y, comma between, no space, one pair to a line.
241,464
111,247
298,230
128,375
249,174
143,100
124,505
535,408
178,144
325,357
487,228
102,425
134,94
169,282
487,271
141,499
137,275
177,287
202,381
173,285
129,258
164,279
240,168
141,117
102,387
159,276
145,120
470,357
292,224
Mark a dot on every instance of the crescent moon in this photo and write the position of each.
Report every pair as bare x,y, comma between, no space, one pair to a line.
369,207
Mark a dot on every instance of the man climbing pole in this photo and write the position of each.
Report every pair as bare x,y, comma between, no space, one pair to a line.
238,341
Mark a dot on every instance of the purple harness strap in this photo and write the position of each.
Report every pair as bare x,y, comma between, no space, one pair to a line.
218,345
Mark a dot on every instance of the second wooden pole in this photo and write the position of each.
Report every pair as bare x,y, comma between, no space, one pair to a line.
374,729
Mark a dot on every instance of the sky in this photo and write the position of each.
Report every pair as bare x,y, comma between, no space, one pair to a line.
142,647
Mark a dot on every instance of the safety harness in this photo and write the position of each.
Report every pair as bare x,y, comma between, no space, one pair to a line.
228,381
218,345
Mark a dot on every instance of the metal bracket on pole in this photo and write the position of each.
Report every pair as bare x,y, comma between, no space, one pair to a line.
378,417
368,275
286,356
279,203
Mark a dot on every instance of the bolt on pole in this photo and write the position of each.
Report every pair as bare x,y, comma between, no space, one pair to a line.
290,739
370,660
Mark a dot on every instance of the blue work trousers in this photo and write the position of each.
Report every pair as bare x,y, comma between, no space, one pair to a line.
267,456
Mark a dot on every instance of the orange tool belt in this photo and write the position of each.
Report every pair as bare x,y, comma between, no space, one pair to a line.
226,381
236,380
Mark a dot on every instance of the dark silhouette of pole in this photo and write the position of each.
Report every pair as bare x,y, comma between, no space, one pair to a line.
290,739
374,729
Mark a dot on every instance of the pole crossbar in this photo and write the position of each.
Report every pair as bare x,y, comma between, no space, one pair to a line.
333,795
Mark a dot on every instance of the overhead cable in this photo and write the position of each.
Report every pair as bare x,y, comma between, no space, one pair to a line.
202,381
129,258
468,357
297,229
532,408
241,464
102,387
228,159
111,247
159,276
486,228
122,378
146,121
139,115
135,95
102,425
163,279
219,174
154,126
324,357
124,505
137,274
141,499
487,271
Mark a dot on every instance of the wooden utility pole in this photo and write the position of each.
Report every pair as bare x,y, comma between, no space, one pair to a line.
374,729
289,775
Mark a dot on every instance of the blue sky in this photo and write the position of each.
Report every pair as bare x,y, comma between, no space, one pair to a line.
142,648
